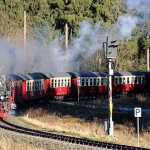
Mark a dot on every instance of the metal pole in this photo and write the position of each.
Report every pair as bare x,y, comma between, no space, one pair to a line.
25,33
147,56
78,84
66,41
138,130
110,99
78,94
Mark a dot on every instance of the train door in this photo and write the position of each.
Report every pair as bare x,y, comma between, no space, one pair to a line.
18,91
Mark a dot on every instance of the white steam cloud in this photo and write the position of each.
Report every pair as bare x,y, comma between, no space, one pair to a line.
139,6
86,44
125,25
52,56
11,58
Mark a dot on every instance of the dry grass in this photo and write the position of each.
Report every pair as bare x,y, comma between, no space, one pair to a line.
137,100
11,144
143,99
123,134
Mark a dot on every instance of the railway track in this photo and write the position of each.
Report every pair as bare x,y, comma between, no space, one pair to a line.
76,140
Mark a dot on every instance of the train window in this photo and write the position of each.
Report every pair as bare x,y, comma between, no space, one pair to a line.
105,81
39,84
94,82
42,85
36,86
143,80
124,80
120,80
82,82
90,82
102,81
139,80
28,86
135,81
55,83
116,81
33,86
62,82
68,82
52,83
86,82
65,83
58,83
132,80
98,81
128,80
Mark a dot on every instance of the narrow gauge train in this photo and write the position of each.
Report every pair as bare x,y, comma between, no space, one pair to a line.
19,88
4,99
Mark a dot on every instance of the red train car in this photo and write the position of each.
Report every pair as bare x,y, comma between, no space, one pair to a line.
57,84
147,82
24,87
88,83
32,86
128,82
14,87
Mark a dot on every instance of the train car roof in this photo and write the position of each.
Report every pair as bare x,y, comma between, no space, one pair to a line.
15,77
32,76
56,74
79,74
146,72
87,74
102,74
130,73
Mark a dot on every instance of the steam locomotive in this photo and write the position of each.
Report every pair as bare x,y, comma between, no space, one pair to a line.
20,88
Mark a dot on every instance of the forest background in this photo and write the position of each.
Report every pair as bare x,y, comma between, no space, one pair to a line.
89,23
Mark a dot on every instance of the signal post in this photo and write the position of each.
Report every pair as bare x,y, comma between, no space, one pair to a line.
110,50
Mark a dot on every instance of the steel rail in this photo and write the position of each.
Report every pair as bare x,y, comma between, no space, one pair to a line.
70,139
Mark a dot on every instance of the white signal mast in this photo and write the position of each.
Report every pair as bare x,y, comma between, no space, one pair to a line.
110,50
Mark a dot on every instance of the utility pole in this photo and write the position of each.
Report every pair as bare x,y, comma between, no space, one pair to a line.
147,55
25,31
66,40
110,50
66,37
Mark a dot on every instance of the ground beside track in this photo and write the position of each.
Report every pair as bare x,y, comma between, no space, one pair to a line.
14,141
81,120
89,122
